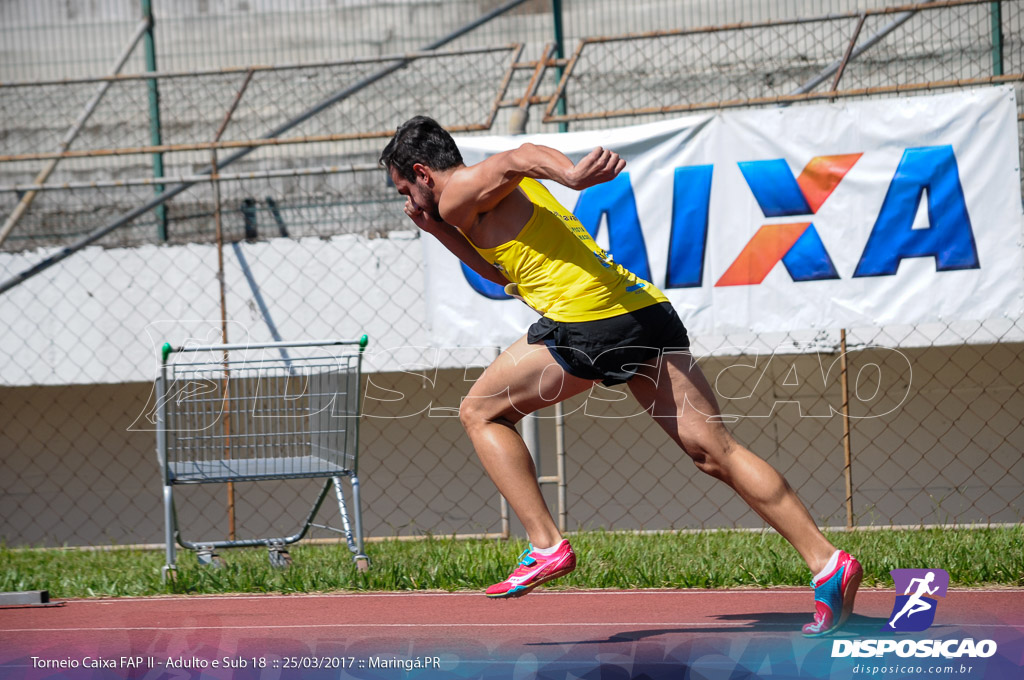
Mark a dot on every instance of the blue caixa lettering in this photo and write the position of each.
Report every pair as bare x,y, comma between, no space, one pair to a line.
924,173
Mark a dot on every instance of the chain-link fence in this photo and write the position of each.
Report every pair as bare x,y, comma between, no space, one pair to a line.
54,38
312,243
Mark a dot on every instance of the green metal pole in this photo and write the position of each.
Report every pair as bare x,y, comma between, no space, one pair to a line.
155,138
997,38
556,12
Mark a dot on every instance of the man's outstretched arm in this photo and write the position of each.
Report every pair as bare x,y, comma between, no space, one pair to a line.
479,188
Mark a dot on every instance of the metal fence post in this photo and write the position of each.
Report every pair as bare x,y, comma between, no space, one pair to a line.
563,512
155,138
531,435
563,482
996,11
215,180
847,449
556,14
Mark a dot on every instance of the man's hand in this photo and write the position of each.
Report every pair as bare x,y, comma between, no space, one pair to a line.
420,218
597,167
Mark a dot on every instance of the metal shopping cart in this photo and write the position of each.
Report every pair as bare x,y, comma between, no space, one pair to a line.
271,411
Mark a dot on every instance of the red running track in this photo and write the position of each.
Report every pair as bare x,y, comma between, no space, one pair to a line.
567,634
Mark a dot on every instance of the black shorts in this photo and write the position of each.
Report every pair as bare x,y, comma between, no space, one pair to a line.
612,350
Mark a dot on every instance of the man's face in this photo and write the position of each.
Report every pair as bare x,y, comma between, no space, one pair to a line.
420,197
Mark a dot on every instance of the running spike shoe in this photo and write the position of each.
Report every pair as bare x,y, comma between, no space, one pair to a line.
535,569
833,596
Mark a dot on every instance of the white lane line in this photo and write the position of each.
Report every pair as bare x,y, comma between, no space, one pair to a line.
633,624
572,593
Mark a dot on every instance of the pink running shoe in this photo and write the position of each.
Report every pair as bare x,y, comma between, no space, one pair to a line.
833,596
535,569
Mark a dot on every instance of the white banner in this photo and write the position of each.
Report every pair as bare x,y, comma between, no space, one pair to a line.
902,211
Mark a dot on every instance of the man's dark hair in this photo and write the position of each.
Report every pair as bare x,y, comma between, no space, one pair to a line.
420,140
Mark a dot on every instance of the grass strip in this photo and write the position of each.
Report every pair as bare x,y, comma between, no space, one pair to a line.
717,559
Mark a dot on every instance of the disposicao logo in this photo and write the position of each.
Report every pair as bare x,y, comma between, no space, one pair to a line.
914,611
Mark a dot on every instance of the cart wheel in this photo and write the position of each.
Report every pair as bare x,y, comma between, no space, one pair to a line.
362,563
280,558
208,558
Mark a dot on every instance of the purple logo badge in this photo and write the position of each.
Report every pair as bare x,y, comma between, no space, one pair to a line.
915,607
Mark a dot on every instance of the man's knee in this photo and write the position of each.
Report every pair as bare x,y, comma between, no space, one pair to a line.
470,413
704,461
707,454
475,412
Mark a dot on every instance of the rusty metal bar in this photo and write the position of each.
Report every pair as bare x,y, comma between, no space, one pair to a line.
849,51
789,98
308,139
745,25
502,89
517,123
721,28
513,103
560,90
525,65
226,381
847,449
72,133
230,70
194,179
230,144
903,18
542,65
909,9
535,81
221,177
218,229
234,105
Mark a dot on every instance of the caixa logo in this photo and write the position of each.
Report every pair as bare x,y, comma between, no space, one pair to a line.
924,173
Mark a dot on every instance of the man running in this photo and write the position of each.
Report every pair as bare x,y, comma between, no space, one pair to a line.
599,322
916,602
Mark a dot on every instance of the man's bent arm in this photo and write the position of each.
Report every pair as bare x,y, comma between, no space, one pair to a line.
452,239
479,188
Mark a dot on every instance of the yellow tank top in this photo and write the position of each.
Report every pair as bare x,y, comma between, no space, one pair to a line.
559,269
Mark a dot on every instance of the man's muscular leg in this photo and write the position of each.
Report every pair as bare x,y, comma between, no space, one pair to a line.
521,380
683,404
